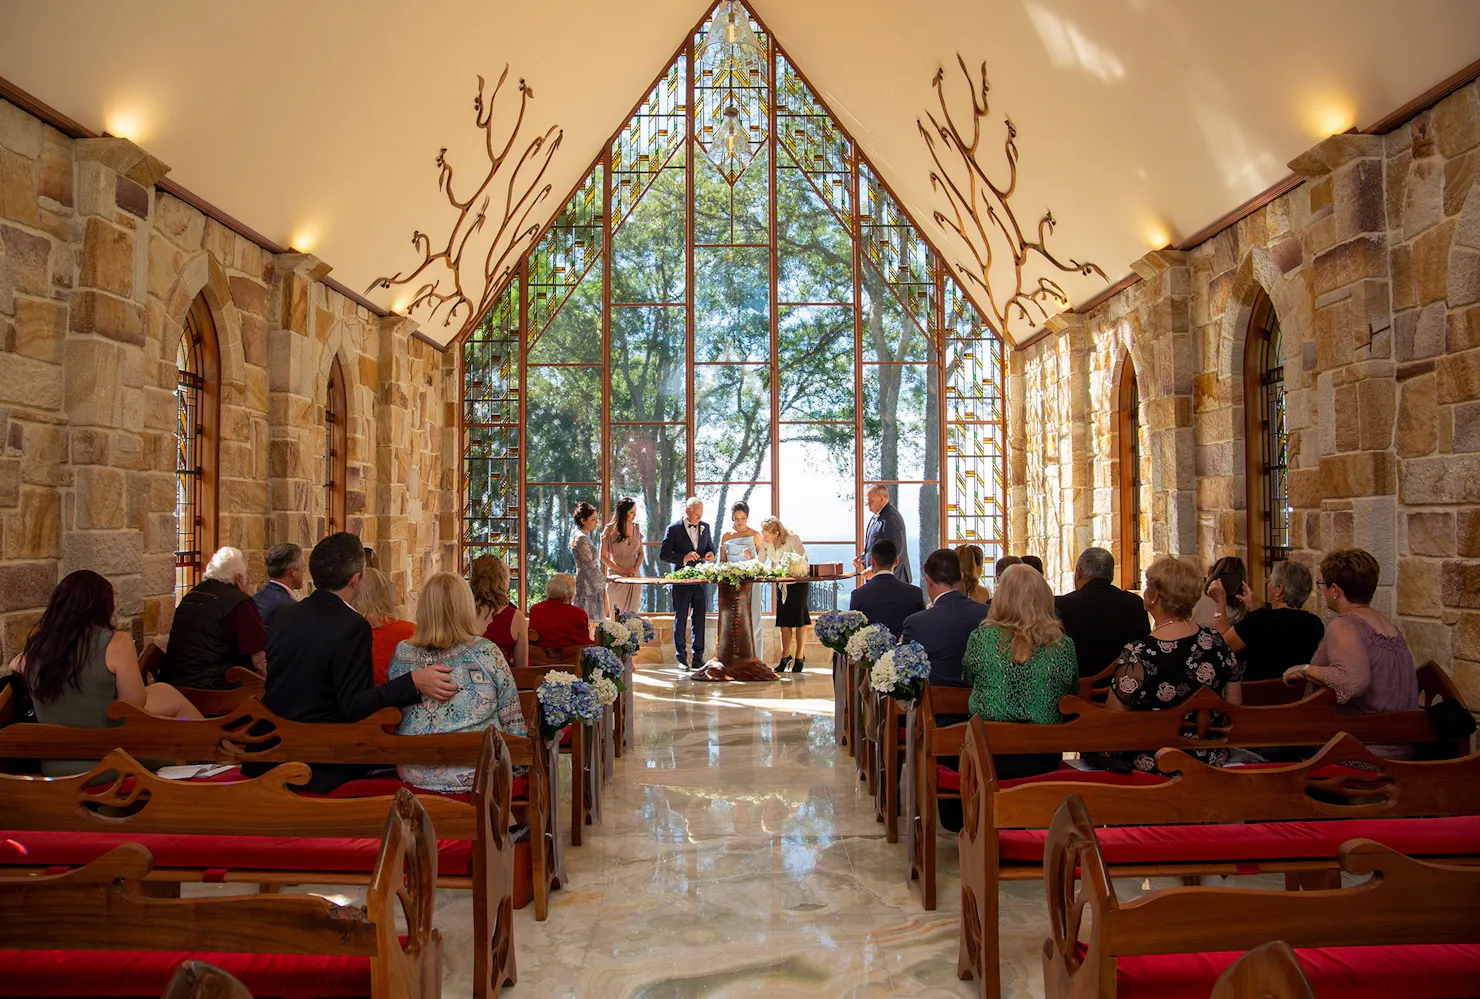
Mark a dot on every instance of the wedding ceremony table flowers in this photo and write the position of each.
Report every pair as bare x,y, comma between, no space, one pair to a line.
733,573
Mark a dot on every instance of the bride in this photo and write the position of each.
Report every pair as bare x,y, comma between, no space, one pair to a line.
741,544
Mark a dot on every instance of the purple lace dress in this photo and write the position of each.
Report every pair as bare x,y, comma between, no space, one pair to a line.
1369,672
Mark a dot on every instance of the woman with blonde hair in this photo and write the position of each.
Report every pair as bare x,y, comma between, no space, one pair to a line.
504,624
377,601
1020,662
780,548
973,564
447,634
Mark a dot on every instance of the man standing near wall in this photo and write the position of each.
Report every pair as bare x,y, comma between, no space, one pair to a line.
887,523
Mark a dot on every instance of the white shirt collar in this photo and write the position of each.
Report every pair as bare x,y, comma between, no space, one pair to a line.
274,582
883,572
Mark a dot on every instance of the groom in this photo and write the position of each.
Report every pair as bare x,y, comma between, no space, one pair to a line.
689,541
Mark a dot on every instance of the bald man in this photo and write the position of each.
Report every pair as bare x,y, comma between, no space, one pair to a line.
887,523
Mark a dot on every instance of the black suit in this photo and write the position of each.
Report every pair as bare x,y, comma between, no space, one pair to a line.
888,600
944,630
1101,618
689,599
888,523
319,669
270,599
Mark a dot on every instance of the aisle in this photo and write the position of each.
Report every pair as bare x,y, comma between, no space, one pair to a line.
736,858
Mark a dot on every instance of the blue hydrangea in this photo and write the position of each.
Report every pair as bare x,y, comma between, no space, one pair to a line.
870,644
834,628
596,659
565,701
911,662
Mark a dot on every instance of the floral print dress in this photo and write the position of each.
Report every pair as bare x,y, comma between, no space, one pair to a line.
1154,674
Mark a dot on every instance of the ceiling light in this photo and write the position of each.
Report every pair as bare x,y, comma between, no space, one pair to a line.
400,304
1330,116
304,239
124,124
1158,236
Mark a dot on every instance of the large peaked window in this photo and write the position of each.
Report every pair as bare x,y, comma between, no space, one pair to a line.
1265,443
731,304
197,413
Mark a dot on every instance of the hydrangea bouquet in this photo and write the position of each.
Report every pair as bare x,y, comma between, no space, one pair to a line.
606,690
641,627
599,661
869,644
616,636
566,699
901,672
834,628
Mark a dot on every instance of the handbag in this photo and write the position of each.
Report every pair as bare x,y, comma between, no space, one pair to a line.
1450,720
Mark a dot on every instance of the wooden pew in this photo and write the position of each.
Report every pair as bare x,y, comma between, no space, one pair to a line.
253,734
1354,935
1311,721
135,805
1392,799
527,681
102,907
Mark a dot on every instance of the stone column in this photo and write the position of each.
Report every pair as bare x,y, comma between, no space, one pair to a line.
397,462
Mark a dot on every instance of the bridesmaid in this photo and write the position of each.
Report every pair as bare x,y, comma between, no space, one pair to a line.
621,555
589,596
740,544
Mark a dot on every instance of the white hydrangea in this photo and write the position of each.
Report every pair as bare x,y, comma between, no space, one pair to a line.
858,643
883,677
617,630
560,676
606,691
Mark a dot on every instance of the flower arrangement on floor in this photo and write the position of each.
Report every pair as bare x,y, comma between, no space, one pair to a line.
566,699
599,661
641,627
617,637
868,644
727,572
901,672
833,628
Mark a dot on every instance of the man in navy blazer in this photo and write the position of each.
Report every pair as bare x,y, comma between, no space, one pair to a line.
887,523
946,626
284,579
688,541
886,599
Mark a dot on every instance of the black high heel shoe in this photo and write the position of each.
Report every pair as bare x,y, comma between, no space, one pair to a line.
797,664
781,666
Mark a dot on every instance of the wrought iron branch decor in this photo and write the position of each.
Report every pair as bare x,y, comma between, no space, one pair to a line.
981,212
507,244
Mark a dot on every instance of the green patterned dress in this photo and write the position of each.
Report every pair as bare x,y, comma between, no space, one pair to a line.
1002,690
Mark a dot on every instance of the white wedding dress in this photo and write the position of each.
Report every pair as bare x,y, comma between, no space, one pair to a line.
735,551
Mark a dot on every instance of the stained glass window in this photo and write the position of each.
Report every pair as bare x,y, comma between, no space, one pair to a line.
1129,428
1264,380
336,456
196,401
732,304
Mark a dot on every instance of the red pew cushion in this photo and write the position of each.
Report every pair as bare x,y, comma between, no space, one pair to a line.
278,853
1413,971
145,973
1253,841
950,780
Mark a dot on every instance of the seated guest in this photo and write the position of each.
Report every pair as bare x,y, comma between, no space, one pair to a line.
556,623
1363,656
1271,639
1020,663
447,635
284,580
1003,563
1173,662
215,628
378,601
322,670
886,599
1033,562
1230,571
1098,615
370,560
944,628
75,663
973,562
505,625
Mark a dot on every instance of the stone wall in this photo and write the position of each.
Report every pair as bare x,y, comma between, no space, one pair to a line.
98,270
1373,266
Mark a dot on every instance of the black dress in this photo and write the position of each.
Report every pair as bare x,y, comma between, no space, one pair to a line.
792,611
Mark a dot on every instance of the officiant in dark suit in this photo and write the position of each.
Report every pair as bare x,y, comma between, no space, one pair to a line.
887,523
689,541
886,599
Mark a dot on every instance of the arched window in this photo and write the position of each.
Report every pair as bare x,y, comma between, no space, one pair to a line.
1264,443
1129,418
336,432
197,412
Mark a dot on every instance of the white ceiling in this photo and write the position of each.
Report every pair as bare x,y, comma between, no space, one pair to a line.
317,123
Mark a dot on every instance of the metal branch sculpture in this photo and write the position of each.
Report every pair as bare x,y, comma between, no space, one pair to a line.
981,213
507,244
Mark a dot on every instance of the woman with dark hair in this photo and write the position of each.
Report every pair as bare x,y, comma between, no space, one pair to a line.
76,663
621,555
1230,572
590,590
506,625
741,543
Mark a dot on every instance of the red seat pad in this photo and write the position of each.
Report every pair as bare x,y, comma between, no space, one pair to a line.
145,973
949,780
1253,841
1412,971
274,853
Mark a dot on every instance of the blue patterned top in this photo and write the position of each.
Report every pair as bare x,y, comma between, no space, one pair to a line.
486,696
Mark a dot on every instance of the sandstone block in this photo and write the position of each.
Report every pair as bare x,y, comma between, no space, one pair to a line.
1423,205
1345,418
40,325
1463,285
89,446
1364,473
1431,533
18,181
1431,262
1397,186
1467,532
1405,294
27,260
1460,584
1418,587
249,296
1442,480
36,528
107,552
1358,195
1456,121
1377,399
27,382
1459,177
10,482
131,197
19,131
100,498
1459,376
182,224
14,628
24,585
108,258
254,339
92,382
1467,427
103,314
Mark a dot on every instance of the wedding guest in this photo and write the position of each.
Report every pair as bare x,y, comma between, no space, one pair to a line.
886,599
446,635
886,522
555,622
1033,562
1230,570
1019,663
781,548
507,627
621,555
688,541
1271,639
1098,615
973,563
1003,563
1175,660
590,593
284,564
739,544
215,628
944,628
370,560
378,602
321,655
75,663
1363,656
